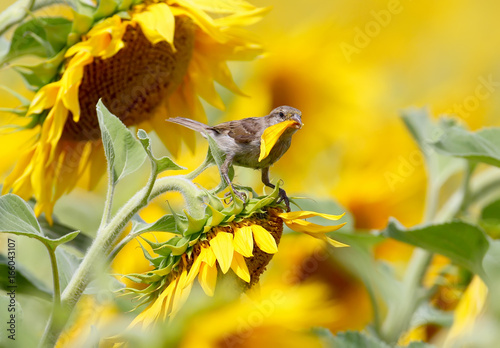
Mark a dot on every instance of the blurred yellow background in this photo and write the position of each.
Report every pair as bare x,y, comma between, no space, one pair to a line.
350,66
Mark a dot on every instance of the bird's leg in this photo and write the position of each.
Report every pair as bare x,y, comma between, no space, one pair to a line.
283,196
224,171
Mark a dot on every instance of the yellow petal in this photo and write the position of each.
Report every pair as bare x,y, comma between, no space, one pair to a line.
157,23
468,310
222,246
209,257
264,239
208,278
309,227
181,294
45,98
243,241
271,136
307,214
193,272
239,266
154,311
336,243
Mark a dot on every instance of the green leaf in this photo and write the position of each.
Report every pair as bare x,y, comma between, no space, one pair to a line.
426,132
482,146
67,264
490,219
463,243
19,10
491,262
18,218
81,242
216,154
162,164
40,36
25,282
124,152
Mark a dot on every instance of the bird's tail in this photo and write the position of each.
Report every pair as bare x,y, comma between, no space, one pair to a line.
191,124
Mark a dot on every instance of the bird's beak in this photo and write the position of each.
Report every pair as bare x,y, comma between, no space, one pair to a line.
298,122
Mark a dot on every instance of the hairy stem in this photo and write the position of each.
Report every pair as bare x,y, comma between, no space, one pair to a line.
108,236
56,306
108,204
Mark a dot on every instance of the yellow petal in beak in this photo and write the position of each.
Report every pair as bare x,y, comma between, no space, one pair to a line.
271,136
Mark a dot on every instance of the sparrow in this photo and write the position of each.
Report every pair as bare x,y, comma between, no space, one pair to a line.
240,140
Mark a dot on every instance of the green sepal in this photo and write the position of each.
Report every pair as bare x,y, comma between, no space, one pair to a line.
25,102
174,246
143,278
125,5
146,291
194,224
215,218
155,261
16,111
236,207
37,76
166,223
82,22
194,239
255,205
106,8
40,36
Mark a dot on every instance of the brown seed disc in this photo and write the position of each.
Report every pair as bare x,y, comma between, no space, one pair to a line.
134,81
257,264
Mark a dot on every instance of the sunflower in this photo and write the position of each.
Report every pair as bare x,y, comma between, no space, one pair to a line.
240,238
146,60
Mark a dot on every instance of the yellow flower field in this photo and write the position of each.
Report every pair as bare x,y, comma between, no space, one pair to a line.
375,225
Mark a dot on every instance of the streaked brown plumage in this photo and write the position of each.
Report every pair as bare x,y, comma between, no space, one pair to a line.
240,141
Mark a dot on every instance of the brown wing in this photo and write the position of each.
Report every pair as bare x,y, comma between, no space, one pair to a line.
242,131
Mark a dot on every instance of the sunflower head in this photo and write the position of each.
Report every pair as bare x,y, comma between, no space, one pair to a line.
240,239
146,60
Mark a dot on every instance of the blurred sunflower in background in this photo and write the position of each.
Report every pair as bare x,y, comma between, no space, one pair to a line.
349,66
147,61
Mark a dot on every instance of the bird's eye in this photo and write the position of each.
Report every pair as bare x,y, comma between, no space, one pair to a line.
282,114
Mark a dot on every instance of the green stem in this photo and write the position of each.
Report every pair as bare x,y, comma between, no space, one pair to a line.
465,199
108,236
207,162
108,204
55,277
399,318
55,317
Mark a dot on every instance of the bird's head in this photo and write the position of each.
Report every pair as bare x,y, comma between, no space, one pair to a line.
287,113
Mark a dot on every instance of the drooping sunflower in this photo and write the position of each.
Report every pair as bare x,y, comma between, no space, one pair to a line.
147,60
239,237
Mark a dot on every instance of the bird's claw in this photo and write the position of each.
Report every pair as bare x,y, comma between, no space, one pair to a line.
237,193
284,198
